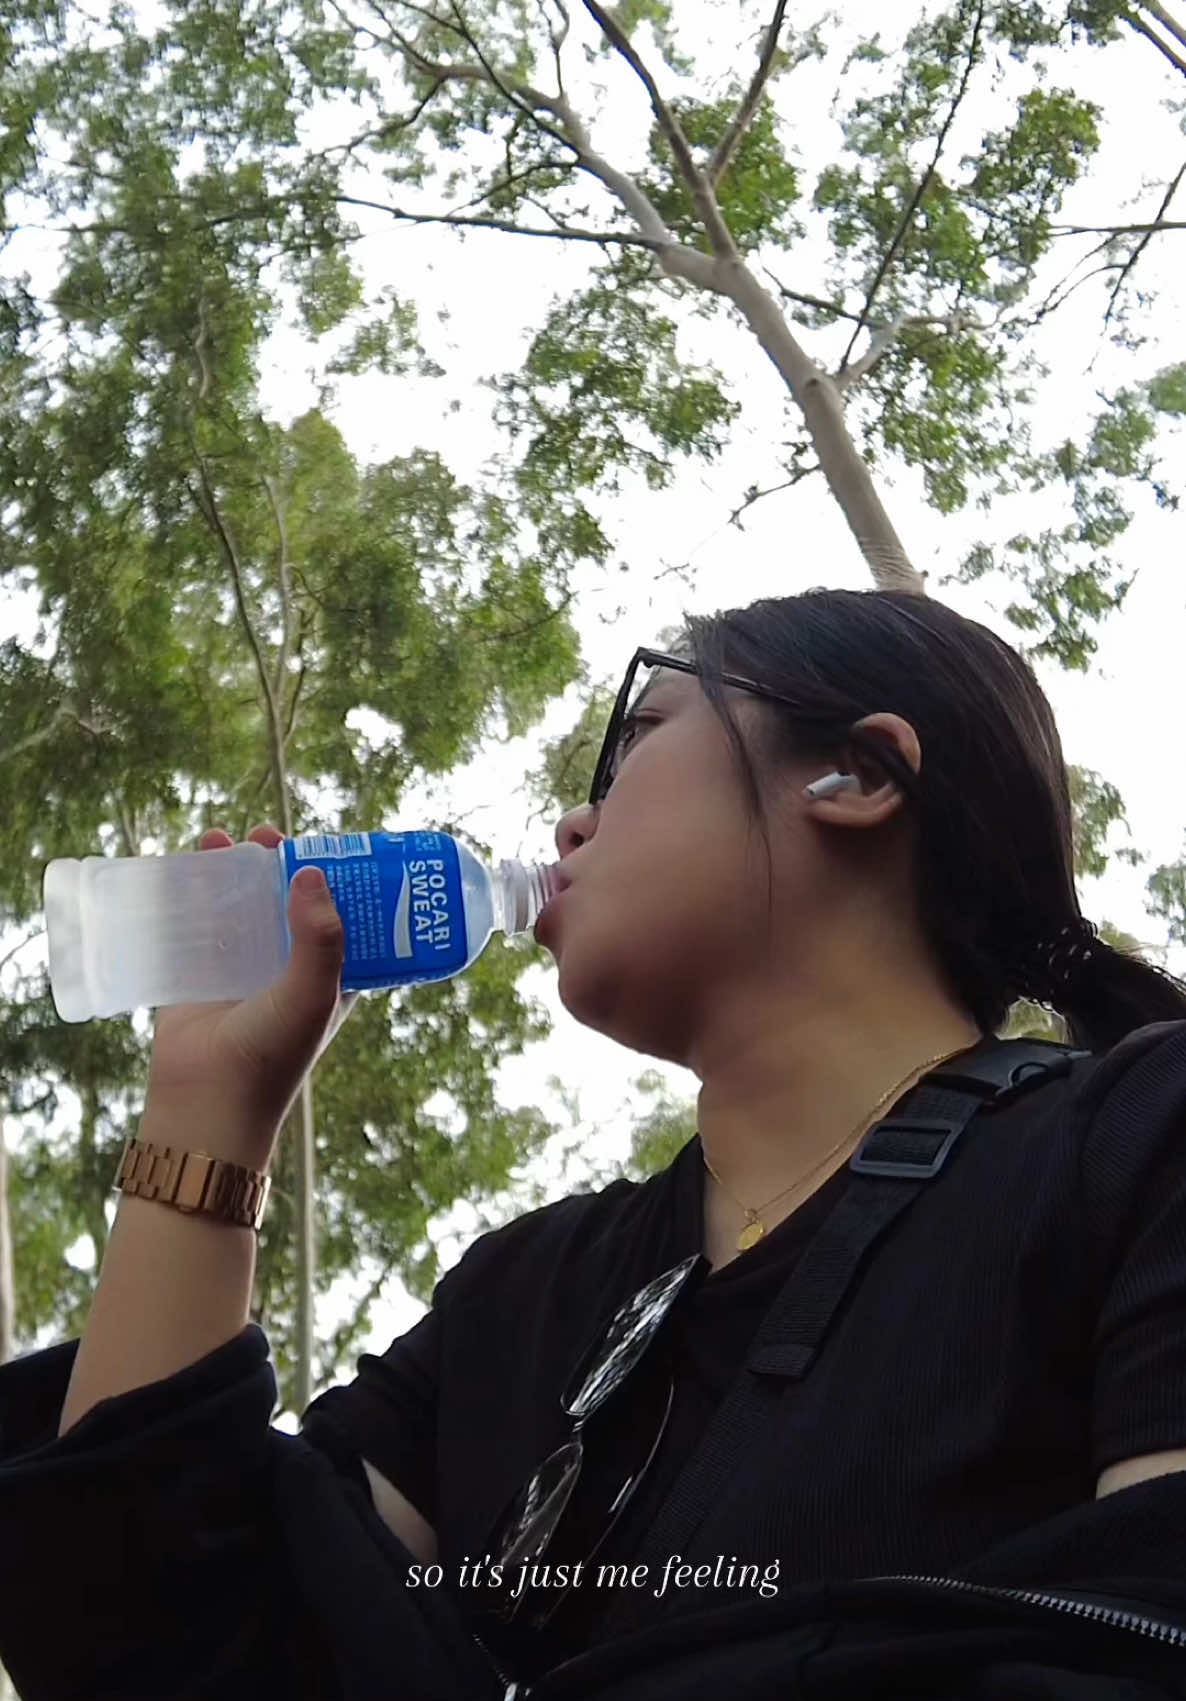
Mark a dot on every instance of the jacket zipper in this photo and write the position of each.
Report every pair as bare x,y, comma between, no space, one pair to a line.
511,1688
1118,1618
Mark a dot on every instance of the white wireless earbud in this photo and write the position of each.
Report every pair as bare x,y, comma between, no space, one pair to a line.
831,784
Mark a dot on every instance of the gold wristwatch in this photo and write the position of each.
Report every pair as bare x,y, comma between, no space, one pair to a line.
194,1182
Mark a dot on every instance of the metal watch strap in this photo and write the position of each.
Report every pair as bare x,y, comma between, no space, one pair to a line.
194,1182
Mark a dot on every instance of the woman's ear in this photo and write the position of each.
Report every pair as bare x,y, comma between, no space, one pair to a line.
879,796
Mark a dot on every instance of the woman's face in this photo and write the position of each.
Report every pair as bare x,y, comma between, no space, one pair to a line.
676,936
668,895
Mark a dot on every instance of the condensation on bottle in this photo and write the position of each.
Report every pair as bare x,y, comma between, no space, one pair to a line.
199,926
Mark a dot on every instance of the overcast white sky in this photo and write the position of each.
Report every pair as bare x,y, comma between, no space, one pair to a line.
1122,720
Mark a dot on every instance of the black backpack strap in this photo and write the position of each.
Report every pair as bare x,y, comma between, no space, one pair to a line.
898,1157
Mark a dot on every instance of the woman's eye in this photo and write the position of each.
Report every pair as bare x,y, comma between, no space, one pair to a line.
629,728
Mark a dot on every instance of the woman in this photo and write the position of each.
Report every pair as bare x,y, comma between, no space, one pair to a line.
828,846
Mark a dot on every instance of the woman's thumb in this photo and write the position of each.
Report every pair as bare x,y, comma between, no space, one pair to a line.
317,932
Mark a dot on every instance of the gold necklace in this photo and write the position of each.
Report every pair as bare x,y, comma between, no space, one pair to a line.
755,1228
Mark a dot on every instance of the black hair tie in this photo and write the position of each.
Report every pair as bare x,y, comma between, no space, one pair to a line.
1058,962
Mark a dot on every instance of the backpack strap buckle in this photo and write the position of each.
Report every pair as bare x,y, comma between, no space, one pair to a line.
913,1134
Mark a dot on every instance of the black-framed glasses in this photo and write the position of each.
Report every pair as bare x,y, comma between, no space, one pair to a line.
527,1527
628,702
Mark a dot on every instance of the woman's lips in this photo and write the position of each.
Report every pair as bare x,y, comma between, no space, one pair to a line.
547,910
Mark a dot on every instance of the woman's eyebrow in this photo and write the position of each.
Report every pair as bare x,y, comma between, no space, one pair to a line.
649,689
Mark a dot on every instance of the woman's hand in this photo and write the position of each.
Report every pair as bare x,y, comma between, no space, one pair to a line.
230,1071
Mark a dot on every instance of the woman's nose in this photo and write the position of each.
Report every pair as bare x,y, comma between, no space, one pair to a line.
576,828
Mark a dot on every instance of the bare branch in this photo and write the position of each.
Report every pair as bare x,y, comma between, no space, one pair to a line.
676,259
529,101
1142,245
812,300
924,184
1055,300
522,96
20,945
885,336
1178,31
880,343
719,163
697,183
509,181
624,237
1164,19
752,496
359,29
1116,229
557,36
1162,47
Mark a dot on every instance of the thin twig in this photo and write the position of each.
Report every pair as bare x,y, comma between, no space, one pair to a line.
525,100
757,495
744,117
557,37
1054,300
812,300
1142,245
924,184
1116,229
509,181
564,235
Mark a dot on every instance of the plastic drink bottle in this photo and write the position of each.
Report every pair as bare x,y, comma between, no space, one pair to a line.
204,925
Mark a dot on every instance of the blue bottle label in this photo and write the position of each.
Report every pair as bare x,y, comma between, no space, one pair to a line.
400,900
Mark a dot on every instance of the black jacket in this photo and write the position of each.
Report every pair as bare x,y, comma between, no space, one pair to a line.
174,1545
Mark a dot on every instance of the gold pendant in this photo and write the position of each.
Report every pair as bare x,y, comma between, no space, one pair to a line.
750,1235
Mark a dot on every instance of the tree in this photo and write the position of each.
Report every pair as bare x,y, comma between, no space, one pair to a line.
915,343
935,275
222,594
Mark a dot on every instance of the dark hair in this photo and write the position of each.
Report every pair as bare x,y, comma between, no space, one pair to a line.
994,870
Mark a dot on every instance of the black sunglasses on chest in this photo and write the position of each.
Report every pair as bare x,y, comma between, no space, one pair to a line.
523,1536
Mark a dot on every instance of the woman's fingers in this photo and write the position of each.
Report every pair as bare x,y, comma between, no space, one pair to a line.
266,835
217,838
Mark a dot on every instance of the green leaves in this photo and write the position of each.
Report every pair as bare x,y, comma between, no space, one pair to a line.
759,190
1024,172
603,389
1070,577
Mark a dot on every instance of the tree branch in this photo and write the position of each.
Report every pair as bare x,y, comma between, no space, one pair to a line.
719,163
557,37
676,260
1164,19
1142,245
880,343
1054,300
755,495
812,300
1162,47
905,221
527,100
719,235
1116,229
560,235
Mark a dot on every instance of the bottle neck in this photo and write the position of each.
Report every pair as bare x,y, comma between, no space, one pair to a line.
520,889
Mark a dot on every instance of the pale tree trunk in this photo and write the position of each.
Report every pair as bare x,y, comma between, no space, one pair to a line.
279,717
819,394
